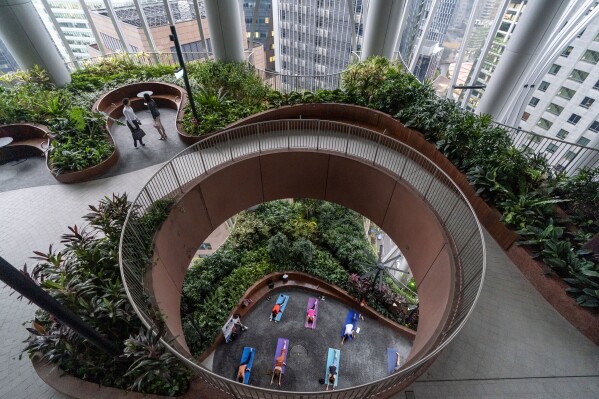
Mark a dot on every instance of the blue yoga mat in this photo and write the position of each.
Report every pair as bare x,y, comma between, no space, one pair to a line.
391,359
330,361
283,299
350,320
248,354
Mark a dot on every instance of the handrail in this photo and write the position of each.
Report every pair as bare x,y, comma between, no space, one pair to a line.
380,151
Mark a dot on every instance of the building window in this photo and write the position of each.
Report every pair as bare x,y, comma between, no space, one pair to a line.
578,75
544,124
587,102
570,155
543,86
594,127
562,134
573,119
533,102
591,56
554,69
551,148
583,141
110,42
567,51
555,109
525,116
566,93
596,85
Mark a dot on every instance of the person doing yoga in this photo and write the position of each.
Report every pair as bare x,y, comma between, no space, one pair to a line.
243,367
275,311
349,330
332,372
311,313
279,363
397,363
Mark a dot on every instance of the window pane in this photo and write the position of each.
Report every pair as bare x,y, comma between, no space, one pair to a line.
578,75
594,127
562,134
533,102
596,85
543,86
566,93
573,119
570,155
544,124
567,51
555,109
551,148
554,69
591,56
583,141
587,102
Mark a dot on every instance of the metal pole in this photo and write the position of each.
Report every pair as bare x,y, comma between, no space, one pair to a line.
175,39
117,25
41,298
146,28
90,22
196,7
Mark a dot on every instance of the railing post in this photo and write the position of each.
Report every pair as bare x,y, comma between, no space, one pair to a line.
176,177
230,148
202,159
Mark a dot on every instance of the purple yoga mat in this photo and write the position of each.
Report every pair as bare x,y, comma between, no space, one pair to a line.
311,302
280,343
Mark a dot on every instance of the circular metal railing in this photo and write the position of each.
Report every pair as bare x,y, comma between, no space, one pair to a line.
370,147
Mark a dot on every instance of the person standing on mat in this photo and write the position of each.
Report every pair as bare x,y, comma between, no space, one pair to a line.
155,115
279,363
133,123
311,313
243,367
332,373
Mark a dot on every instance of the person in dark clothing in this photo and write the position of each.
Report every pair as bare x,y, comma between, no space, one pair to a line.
155,115
133,123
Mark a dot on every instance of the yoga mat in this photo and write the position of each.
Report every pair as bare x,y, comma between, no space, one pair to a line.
391,360
330,360
247,352
282,299
280,343
350,320
311,302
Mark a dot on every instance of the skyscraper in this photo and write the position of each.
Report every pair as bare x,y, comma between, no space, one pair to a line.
7,62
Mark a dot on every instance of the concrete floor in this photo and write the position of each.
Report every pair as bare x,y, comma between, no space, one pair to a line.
34,172
362,360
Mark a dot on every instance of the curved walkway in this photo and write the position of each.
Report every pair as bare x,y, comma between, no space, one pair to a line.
514,346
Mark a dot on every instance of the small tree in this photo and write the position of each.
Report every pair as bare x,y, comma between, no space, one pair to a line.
303,251
278,247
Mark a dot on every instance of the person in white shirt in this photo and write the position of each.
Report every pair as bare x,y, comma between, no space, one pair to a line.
133,123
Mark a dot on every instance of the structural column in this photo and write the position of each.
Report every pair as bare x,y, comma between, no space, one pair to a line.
535,26
224,24
27,39
382,27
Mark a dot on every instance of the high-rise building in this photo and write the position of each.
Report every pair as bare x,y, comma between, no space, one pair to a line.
500,39
7,62
415,25
316,37
259,26
564,104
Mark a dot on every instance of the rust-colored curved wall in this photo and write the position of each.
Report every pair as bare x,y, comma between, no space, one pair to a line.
303,174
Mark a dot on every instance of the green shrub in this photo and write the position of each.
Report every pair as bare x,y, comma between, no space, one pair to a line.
278,247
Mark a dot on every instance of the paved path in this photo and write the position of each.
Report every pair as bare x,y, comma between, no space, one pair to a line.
514,346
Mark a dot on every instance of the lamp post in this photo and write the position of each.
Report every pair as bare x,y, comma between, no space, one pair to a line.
175,39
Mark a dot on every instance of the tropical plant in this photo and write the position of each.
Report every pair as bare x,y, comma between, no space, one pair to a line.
85,277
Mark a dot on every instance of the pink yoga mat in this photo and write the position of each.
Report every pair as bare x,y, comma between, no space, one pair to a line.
280,343
312,301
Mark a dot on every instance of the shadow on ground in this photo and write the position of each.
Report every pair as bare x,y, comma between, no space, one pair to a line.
34,172
362,360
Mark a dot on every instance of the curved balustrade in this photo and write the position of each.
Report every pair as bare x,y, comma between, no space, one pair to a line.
412,180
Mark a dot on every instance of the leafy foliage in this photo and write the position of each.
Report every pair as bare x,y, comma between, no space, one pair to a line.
310,236
85,277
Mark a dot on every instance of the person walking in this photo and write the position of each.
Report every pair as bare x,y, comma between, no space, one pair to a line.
155,115
133,123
